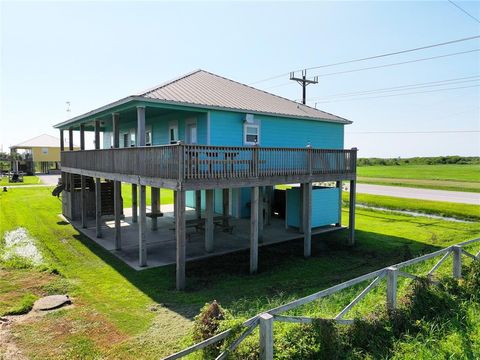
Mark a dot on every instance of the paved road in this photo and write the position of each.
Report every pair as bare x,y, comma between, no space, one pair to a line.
422,194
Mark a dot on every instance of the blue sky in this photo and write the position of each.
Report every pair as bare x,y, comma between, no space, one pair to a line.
91,53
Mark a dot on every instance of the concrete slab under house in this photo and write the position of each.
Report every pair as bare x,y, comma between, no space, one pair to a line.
227,150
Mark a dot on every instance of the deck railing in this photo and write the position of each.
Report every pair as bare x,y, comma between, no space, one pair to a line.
203,162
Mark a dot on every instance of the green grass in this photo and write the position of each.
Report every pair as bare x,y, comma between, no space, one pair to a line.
444,177
114,314
27,180
441,208
166,195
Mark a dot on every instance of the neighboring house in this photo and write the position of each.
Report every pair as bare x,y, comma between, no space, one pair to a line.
39,154
222,146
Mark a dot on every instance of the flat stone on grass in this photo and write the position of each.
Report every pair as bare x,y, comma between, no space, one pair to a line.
51,302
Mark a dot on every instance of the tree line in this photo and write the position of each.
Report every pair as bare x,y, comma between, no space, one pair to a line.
436,160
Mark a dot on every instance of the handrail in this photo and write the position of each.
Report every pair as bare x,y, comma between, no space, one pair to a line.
390,272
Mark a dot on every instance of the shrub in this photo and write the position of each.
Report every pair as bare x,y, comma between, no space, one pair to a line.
207,323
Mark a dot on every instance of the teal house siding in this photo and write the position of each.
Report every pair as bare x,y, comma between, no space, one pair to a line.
325,209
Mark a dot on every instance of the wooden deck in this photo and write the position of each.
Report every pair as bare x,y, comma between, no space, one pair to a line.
193,167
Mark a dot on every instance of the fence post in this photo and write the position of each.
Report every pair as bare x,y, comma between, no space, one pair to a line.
266,336
457,261
392,275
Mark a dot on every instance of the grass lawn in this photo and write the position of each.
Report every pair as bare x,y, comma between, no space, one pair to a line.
27,180
441,208
122,313
166,195
446,177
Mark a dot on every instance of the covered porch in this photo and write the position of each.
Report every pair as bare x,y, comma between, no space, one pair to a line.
160,240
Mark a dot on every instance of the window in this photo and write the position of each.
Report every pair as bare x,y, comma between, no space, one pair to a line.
148,137
125,140
45,151
132,138
173,134
251,134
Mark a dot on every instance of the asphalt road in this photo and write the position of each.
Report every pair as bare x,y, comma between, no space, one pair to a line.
421,194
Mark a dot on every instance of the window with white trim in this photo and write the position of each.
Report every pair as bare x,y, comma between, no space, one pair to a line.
173,134
251,134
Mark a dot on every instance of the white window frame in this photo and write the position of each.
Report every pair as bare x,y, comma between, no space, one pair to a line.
173,126
245,126
148,130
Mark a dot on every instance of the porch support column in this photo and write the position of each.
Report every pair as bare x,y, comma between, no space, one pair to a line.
351,215
198,203
180,236
83,193
209,227
62,141
142,222
70,139
117,185
338,185
307,219
98,187
226,205
254,230
140,126
155,206
134,203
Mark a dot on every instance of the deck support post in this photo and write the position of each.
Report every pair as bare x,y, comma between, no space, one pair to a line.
155,206
142,222
134,203
83,201
266,336
338,185
307,219
98,187
254,230
117,203
209,226
261,200
457,261
180,236
226,205
98,207
351,215
198,204
117,185
83,195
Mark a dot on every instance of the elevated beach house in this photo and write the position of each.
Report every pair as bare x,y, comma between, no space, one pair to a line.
224,148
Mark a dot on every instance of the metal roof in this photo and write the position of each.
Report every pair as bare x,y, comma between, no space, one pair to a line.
204,88
43,140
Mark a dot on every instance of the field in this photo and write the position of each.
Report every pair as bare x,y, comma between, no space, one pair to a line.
122,313
27,180
445,177
440,208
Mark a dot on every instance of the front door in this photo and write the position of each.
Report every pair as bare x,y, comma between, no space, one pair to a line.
191,137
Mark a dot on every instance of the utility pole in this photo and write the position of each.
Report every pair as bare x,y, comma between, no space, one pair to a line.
303,81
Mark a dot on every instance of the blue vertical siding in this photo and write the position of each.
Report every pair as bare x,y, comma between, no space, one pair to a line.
325,207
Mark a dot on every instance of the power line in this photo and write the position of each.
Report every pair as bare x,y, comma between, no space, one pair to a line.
390,95
403,87
387,65
414,132
375,57
464,11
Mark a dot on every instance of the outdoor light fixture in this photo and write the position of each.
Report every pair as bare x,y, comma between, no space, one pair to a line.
248,119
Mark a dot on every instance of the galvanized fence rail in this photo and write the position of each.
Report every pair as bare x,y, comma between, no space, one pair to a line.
266,319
